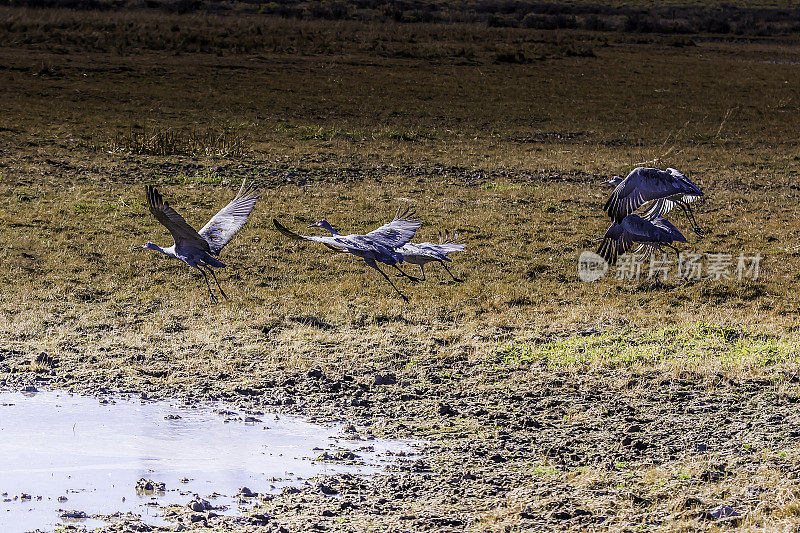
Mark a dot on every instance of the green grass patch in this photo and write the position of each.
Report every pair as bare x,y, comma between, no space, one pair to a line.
730,346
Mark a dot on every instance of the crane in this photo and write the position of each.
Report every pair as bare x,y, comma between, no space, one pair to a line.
621,236
199,249
377,246
662,189
423,253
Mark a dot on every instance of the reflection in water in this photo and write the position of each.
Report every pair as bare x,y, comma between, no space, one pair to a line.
92,452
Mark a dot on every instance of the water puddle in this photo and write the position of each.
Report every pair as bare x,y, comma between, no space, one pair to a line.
63,455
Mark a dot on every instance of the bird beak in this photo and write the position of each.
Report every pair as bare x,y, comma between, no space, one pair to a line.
311,226
136,248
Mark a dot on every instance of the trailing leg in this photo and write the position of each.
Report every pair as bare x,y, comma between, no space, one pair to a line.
451,274
208,284
217,282
690,215
412,278
373,264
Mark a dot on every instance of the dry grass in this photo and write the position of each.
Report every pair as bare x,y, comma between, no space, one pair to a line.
509,154
171,142
668,497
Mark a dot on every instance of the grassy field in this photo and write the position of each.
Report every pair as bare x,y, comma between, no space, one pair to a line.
531,387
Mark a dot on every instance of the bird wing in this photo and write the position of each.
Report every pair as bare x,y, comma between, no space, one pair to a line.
662,206
657,230
182,232
615,242
431,249
397,232
229,220
292,235
658,208
666,225
646,184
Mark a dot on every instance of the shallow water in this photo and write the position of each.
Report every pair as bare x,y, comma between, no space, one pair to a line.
93,451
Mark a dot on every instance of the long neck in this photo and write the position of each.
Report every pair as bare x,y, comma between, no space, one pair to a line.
328,227
169,251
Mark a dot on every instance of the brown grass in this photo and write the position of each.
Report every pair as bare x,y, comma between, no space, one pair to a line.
507,153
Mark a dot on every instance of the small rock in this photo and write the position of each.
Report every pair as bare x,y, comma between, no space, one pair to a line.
245,492
720,513
72,514
148,485
385,379
326,489
195,518
259,519
198,505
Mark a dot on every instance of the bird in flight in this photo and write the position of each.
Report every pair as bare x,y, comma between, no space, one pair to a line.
422,253
377,246
199,249
650,234
661,189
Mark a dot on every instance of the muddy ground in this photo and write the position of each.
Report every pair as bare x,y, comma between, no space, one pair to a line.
536,427
541,402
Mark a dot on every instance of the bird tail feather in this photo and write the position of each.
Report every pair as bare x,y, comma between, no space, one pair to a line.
286,231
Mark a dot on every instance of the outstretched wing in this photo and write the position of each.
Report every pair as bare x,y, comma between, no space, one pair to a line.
658,208
662,206
615,243
431,250
229,220
292,235
397,232
182,232
672,231
644,185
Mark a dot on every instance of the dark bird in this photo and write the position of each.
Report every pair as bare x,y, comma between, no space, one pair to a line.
199,248
377,246
661,189
651,234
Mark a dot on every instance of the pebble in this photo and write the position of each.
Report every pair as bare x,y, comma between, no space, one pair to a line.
721,512
198,504
387,378
245,492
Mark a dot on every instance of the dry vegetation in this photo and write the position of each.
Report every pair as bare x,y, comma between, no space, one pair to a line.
501,134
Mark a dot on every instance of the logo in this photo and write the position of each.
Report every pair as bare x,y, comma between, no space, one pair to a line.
591,266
